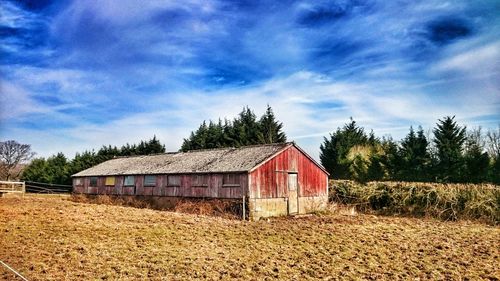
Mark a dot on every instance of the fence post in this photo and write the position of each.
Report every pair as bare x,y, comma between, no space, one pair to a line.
244,211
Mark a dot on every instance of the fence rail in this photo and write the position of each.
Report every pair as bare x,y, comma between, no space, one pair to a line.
12,186
49,188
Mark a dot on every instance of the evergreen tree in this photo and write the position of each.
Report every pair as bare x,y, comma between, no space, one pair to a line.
334,151
243,130
359,158
415,156
128,150
82,161
449,139
494,172
390,158
493,137
57,169
377,169
36,171
477,160
153,146
329,156
246,128
215,135
270,130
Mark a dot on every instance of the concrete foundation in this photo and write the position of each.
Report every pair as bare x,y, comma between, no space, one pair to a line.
274,207
312,204
267,207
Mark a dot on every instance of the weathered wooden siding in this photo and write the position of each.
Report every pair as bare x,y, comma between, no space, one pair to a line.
270,180
214,187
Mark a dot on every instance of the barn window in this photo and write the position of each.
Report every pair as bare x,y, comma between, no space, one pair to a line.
110,181
129,181
173,180
93,181
78,181
231,180
149,180
199,180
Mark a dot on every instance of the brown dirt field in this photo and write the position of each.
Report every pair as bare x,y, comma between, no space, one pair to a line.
56,239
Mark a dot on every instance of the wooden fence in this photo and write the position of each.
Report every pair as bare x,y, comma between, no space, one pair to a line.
12,187
47,188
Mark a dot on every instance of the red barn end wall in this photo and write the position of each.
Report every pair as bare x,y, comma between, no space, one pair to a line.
268,185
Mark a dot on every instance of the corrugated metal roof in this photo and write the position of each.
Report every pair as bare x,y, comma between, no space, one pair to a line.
198,161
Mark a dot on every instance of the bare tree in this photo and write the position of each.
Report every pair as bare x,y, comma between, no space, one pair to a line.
494,142
12,154
475,138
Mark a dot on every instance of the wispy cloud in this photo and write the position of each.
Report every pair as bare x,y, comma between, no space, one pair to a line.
79,74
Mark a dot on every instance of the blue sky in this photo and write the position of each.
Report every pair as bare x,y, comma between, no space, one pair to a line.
76,75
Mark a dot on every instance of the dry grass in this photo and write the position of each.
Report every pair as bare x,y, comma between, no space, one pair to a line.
57,239
230,209
214,207
443,201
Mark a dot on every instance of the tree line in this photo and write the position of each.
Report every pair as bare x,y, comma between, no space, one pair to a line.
244,130
58,168
452,154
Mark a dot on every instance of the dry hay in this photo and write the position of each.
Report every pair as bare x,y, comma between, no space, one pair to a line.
210,207
443,201
227,208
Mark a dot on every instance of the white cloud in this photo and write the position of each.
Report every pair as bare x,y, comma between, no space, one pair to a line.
296,100
484,59
16,102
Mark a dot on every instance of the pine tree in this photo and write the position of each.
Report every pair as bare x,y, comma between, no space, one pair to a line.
154,146
328,155
494,171
390,159
477,160
270,130
243,130
334,151
449,139
246,127
58,170
415,156
36,171
493,137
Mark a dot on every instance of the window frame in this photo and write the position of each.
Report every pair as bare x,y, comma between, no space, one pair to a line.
225,177
110,178
173,185
125,181
149,184
91,179
78,181
196,183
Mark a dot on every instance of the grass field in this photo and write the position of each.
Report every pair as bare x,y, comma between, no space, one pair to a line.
57,239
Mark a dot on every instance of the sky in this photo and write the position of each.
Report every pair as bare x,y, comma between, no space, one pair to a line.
76,75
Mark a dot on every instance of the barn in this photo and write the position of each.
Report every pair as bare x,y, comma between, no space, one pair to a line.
271,179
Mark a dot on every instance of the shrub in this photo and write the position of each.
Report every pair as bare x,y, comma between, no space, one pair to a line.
443,201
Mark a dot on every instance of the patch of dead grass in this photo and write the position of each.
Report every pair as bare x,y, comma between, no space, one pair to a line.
58,239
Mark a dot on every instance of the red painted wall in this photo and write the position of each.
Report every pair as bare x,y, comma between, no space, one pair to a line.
270,180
